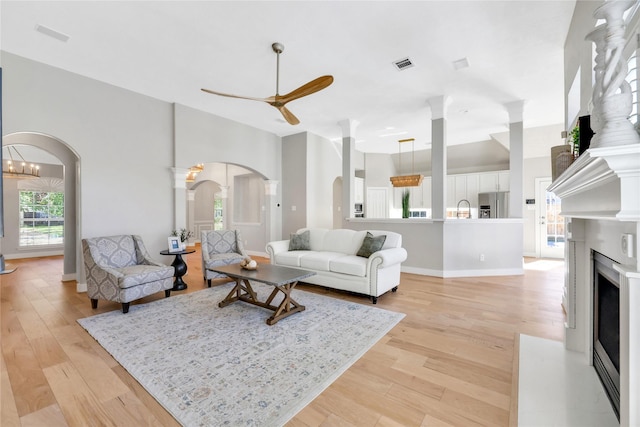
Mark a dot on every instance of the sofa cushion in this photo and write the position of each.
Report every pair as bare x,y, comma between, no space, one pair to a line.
318,260
300,241
349,264
135,275
290,259
343,240
371,244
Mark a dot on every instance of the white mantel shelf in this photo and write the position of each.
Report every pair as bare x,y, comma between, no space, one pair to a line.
603,183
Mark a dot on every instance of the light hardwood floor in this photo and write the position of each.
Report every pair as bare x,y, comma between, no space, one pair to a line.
451,361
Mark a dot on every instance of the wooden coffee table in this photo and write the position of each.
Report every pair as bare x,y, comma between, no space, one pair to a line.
283,279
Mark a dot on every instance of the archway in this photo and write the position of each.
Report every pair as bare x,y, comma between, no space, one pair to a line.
246,200
71,164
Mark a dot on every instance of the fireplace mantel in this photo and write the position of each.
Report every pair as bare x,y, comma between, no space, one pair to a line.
600,195
602,183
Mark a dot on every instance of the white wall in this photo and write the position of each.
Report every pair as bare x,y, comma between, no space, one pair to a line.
124,141
324,165
205,138
294,183
127,143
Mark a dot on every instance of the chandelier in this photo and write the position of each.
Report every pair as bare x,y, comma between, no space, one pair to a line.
194,171
413,180
17,167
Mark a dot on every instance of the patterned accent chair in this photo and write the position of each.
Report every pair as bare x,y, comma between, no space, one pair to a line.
220,247
119,268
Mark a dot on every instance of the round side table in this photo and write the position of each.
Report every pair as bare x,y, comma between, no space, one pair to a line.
180,268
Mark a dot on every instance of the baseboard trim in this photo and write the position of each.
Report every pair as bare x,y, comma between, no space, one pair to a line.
34,254
81,287
68,277
446,274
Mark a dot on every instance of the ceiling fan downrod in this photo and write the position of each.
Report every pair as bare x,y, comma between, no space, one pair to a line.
277,48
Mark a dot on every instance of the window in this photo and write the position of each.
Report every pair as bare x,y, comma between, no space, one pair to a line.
41,218
218,220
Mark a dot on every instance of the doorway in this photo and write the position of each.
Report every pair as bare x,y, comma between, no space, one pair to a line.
550,225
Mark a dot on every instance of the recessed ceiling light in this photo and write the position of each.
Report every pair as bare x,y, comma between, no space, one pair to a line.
461,63
52,33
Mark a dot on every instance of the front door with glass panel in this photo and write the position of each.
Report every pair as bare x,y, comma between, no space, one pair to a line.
551,230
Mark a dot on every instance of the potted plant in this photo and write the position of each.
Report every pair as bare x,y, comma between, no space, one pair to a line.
184,235
575,141
405,203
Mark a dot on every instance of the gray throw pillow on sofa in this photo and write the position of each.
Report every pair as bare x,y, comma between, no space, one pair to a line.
299,242
371,244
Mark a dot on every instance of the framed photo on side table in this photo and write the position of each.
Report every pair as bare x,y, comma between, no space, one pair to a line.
174,244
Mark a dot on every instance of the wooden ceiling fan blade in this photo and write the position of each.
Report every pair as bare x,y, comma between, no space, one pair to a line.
288,115
235,96
307,89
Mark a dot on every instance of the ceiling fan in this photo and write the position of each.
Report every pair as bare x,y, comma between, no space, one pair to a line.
278,100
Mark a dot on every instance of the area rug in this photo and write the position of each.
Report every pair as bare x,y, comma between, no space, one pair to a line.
225,366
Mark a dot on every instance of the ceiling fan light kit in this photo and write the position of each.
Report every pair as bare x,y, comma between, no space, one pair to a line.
279,101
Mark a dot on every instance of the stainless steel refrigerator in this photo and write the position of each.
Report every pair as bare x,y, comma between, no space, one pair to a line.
494,204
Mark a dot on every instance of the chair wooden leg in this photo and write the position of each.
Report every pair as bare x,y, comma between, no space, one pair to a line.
125,307
209,282
167,293
94,303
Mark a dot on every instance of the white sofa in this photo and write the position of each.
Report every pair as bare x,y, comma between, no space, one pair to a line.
332,256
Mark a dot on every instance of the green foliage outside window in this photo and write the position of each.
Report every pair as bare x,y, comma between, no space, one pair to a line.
41,218
217,214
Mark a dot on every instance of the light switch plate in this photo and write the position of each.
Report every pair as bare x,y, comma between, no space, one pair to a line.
627,242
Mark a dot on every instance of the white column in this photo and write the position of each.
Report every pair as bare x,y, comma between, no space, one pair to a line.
271,209
439,106
224,195
191,202
516,159
179,197
348,167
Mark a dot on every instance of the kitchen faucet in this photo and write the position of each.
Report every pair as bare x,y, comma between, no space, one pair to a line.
468,208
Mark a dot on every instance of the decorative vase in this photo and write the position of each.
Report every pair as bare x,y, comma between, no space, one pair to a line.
612,96
555,155
563,161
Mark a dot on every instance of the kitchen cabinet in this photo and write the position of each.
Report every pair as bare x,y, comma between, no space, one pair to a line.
451,191
494,181
461,188
426,192
473,188
503,181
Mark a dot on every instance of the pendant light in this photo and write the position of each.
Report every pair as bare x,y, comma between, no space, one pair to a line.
413,180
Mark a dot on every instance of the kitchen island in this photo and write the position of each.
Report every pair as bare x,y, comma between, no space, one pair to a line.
455,247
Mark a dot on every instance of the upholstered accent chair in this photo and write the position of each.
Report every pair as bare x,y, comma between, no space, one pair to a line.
119,268
220,247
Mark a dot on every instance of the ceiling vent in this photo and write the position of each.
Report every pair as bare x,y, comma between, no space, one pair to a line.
403,64
52,33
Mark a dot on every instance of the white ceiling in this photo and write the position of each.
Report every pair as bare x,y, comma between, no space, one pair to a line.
169,50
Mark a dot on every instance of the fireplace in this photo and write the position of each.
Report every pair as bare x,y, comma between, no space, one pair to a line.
601,200
606,326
